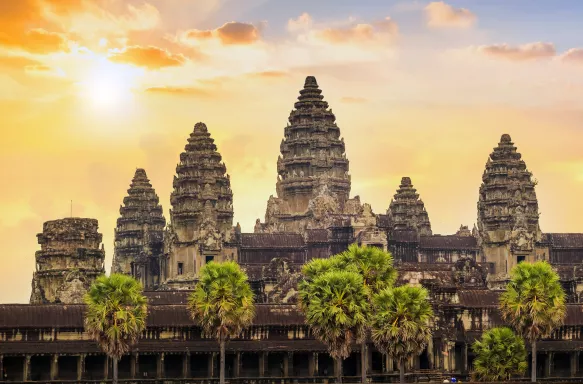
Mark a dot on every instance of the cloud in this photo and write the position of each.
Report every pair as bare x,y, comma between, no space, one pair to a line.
149,57
268,74
231,33
442,15
531,51
16,62
302,23
36,40
181,91
573,55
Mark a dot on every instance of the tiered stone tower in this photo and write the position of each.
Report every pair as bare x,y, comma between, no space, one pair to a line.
69,261
202,211
313,184
139,236
407,210
508,210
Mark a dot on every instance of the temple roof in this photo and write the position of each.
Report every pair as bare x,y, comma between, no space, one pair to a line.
272,240
452,242
407,210
566,240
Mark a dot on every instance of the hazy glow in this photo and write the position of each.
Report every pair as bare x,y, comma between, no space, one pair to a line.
108,85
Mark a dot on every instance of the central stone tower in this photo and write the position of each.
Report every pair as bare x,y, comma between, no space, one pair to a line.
313,184
201,227
508,210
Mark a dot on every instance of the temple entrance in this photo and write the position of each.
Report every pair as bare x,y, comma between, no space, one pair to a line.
325,365
424,362
40,368
249,364
67,367
199,365
173,366
14,368
351,365
561,365
148,365
301,365
124,367
275,364
377,362
94,367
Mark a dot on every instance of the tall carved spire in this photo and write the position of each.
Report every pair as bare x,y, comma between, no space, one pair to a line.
407,210
311,150
507,191
139,233
200,178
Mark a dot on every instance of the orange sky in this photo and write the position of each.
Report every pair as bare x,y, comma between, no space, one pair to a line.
90,90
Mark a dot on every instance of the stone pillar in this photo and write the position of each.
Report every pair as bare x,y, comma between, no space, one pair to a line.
464,367
549,365
368,360
186,365
211,365
287,358
160,366
133,365
1,367
237,365
262,363
26,369
80,366
106,368
313,364
574,363
390,364
54,374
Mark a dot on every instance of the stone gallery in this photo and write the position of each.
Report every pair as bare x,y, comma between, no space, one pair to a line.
312,216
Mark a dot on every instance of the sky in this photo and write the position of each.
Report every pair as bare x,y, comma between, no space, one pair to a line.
92,90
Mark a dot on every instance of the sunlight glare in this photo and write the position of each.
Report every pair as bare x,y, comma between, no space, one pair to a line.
109,85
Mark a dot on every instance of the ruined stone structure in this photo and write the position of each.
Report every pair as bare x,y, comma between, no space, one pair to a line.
312,216
201,219
139,235
70,258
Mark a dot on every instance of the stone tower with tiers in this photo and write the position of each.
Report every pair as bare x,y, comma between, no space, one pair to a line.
70,258
201,218
508,210
313,184
139,235
407,210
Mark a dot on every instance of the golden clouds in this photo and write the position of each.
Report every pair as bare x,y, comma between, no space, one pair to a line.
181,91
531,51
149,57
442,15
573,55
230,33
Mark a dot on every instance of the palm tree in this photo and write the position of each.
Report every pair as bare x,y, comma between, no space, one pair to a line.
500,354
377,271
400,323
222,304
116,314
335,304
310,271
533,303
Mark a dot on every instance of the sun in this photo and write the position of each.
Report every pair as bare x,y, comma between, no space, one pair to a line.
108,85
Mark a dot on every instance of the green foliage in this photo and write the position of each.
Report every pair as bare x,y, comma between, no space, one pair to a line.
534,301
500,354
401,321
222,302
116,313
335,304
372,263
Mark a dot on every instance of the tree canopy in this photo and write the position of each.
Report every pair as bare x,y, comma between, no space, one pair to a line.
500,354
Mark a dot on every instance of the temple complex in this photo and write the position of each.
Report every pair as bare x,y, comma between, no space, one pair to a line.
312,216
70,258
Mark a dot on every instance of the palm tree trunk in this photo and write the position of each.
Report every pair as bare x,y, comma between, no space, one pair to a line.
222,361
402,371
339,370
114,361
363,364
533,362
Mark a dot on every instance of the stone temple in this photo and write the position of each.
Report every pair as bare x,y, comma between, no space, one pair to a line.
312,215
